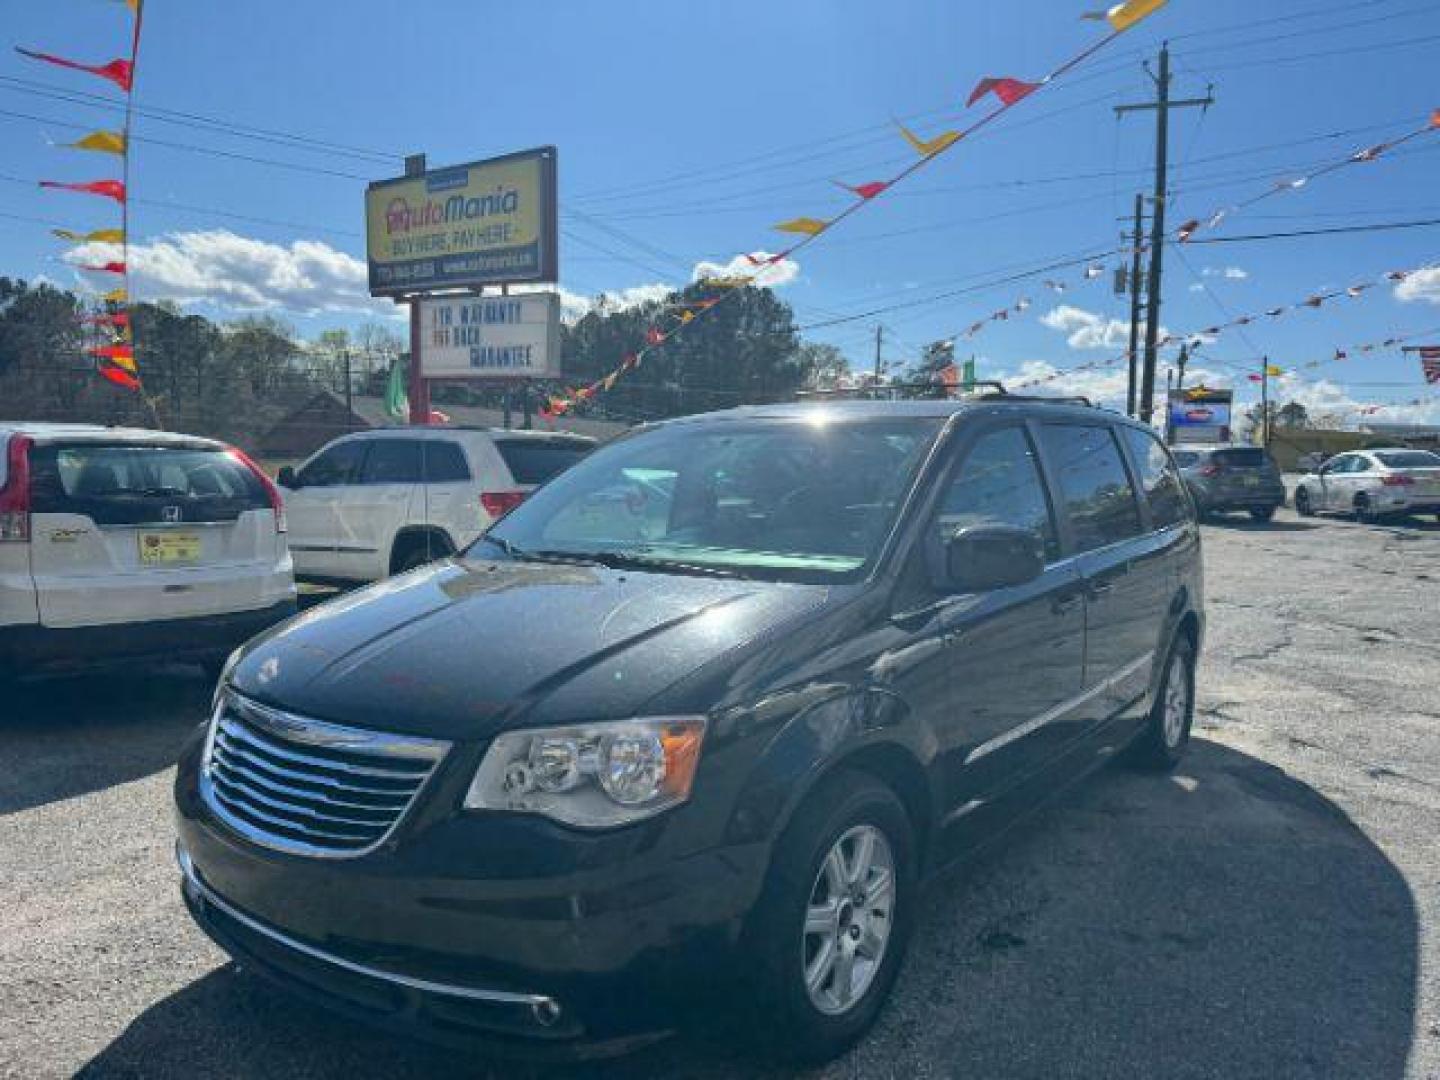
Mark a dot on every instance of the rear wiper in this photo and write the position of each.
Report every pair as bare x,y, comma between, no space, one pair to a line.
621,560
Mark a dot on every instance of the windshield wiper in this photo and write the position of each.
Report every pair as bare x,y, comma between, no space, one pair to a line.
516,552
621,560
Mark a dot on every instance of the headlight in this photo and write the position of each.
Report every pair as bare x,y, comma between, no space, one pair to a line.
591,775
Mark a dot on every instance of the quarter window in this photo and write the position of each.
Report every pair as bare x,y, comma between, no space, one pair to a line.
1095,490
999,483
1169,504
444,463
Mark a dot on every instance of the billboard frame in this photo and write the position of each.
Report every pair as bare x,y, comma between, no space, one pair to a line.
548,270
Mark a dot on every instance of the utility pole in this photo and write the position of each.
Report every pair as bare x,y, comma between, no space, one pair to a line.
875,387
1162,106
1137,242
1169,427
349,403
1265,401
1180,365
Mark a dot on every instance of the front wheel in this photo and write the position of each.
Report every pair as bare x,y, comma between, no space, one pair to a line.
830,931
1364,512
1167,732
1302,503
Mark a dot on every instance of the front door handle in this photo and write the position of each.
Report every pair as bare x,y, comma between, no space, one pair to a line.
1099,588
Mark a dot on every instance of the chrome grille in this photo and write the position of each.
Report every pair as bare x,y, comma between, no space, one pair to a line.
310,787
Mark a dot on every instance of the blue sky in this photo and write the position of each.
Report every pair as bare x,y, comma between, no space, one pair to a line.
686,131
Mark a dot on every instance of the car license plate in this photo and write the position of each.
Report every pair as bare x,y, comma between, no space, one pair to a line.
157,549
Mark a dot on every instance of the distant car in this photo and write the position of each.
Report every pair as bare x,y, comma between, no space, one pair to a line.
1226,478
1312,461
381,502
1373,483
121,545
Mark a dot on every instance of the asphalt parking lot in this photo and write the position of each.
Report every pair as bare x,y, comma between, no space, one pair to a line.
1273,909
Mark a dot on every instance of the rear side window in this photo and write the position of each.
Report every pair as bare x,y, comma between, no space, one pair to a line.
1392,459
134,485
999,483
444,463
1169,505
392,461
533,461
1095,491
335,465
1241,457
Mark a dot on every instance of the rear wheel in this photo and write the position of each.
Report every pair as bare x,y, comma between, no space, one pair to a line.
1167,733
830,932
1302,503
1364,512
1263,515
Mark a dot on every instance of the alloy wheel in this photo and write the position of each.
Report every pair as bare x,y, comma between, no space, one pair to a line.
848,920
1177,702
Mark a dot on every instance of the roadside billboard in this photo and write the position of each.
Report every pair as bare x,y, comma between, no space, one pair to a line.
1200,415
486,223
490,337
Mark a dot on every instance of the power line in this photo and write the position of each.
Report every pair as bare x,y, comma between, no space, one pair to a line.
1335,231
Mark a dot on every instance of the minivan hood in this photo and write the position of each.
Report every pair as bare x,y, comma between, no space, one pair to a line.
463,649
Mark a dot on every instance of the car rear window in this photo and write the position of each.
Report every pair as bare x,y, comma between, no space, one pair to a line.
533,461
130,484
1241,457
1409,459
1185,458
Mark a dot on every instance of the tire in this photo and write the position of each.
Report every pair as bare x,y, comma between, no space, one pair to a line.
1363,512
805,1026
1302,503
1162,744
418,551
1263,515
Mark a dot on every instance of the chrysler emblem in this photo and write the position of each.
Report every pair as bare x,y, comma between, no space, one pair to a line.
171,514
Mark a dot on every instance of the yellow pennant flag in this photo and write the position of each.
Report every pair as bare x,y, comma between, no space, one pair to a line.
106,142
133,5
1123,16
686,316
1273,371
808,225
931,147
114,296
99,236
123,361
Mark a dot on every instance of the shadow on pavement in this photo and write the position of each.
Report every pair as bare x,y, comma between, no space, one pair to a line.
1225,921
64,737
1245,524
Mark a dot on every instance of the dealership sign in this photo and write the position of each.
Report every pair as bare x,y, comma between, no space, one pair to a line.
490,337
1200,415
487,223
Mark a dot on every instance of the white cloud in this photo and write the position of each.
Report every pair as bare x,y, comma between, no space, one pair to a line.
1104,385
1333,404
1197,287
575,306
218,267
1423,285
1229,273
1086,329
774,276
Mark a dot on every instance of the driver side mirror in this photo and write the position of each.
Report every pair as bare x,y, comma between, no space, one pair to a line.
979,558
286,478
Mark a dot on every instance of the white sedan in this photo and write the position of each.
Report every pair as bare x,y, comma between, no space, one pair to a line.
1373,483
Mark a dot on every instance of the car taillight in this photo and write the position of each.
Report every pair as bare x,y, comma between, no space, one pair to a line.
1397,480
15,495
499,503
272,492
1210,470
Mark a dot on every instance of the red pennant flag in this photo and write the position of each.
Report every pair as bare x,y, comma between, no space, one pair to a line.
1256,378
115,318
1371,153
111,189
1435,119
114,352
866,191
1009,91
1314,301
106,268
1341,354
630,360
120,377
654,336
120,72
1189,229
1397,275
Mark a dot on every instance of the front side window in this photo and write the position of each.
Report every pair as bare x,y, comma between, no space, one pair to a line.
444,463
1097,496
777,499
1164,490
336,465
998,483
393,461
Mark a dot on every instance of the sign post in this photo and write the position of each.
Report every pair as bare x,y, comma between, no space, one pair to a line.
451,232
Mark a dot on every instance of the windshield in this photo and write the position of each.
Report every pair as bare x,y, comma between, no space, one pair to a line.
1409,459
768,499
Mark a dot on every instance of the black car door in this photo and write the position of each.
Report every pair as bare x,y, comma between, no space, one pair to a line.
1015,654
1128,577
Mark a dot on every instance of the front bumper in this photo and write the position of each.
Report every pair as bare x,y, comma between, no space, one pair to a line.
490,929
34,649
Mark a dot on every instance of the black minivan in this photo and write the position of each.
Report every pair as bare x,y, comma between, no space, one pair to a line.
691,725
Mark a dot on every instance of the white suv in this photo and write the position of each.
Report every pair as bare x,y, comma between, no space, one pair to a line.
378,502
120,545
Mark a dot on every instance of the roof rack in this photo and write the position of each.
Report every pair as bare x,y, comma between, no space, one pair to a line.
1072,399
993,390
